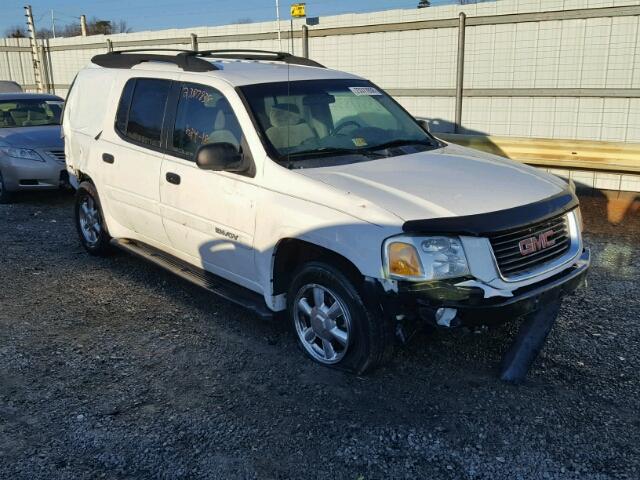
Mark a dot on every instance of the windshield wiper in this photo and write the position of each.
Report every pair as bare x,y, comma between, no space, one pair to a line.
330,152
401,143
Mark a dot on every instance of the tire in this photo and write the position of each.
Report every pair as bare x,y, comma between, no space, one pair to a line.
360,338
89,220
5,196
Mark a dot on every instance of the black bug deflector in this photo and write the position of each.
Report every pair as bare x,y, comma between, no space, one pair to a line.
483,224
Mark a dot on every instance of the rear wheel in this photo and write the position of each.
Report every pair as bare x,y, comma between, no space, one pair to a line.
5,195
332,323
90,221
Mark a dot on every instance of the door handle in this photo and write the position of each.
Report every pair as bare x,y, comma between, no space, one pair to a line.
108,158
173,178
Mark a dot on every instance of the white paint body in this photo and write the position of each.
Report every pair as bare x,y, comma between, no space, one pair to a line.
350,210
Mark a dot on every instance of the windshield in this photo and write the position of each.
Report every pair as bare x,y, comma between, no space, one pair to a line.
316,118
29,112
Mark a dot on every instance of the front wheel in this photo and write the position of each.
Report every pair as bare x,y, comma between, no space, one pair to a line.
90,221
332,323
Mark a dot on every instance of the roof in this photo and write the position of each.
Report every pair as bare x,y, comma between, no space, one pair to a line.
247,72
29,96
9,86
242,67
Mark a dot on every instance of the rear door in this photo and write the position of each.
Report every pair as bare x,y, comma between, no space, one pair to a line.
208,216
132,162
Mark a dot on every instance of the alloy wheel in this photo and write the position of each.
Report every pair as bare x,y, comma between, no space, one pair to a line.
89,217
322,322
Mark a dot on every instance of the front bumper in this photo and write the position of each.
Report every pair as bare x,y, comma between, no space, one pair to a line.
22,174
421,301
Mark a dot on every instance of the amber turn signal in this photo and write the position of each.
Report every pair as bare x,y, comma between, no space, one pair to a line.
403,260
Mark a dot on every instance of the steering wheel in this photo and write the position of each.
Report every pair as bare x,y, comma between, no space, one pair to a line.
348,122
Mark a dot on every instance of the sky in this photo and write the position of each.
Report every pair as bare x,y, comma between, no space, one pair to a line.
161,14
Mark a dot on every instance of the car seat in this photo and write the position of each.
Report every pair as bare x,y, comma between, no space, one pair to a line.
288,129
226,127
6,120
36,117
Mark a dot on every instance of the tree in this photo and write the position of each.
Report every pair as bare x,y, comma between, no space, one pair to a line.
121,26
424,4
95,26
16,32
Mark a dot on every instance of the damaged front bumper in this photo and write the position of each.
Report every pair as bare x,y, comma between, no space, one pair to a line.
459,303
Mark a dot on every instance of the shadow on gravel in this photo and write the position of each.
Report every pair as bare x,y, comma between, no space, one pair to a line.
114,368
49,197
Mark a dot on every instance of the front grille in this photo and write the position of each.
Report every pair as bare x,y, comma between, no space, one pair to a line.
58,154
506,246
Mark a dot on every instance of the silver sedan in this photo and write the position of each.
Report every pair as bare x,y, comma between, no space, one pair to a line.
31,147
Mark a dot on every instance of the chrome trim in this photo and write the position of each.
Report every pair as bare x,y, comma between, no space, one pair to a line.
415,241
572,252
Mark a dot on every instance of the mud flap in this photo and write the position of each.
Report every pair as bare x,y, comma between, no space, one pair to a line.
528,342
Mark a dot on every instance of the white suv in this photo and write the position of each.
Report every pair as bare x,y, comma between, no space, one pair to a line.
286,186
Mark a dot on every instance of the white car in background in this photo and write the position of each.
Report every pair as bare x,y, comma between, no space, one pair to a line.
286,186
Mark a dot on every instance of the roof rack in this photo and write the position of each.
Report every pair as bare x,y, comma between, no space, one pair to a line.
242,54
185,59
190,61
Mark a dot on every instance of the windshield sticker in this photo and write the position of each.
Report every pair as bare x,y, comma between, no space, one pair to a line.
359,142
53,102
364,91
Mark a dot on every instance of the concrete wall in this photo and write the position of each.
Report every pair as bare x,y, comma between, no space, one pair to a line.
539,68
15,61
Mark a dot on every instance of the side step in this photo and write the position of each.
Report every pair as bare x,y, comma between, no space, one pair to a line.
223,288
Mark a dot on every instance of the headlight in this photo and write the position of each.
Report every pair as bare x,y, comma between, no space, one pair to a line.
23,153
425,258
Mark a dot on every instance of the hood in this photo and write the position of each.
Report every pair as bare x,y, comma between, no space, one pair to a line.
447,182
32,137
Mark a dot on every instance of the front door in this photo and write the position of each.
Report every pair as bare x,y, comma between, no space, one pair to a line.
208,216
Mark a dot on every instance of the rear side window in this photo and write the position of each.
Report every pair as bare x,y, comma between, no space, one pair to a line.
141,110
123,108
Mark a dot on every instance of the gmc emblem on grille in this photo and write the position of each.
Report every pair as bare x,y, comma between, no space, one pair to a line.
533,244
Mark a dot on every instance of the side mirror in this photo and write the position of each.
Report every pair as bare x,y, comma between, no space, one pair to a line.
219,157
424,124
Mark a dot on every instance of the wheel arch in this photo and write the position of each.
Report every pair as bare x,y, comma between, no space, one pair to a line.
290,253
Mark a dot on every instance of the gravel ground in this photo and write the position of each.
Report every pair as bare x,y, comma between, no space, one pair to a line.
112,368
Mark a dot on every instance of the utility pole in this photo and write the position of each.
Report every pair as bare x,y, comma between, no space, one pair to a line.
53,24
291,35
278,22
83,25
462,22
37,74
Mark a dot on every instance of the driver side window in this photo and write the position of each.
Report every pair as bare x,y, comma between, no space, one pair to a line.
203,116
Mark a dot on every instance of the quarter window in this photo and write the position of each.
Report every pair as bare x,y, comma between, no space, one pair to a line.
203,116
141,110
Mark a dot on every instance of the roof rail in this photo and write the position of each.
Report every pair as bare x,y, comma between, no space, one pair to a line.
247,54
188,60
185,59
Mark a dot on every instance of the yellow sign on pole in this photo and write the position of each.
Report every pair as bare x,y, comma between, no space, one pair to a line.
298,10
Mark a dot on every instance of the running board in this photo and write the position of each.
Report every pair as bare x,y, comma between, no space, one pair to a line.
237,294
